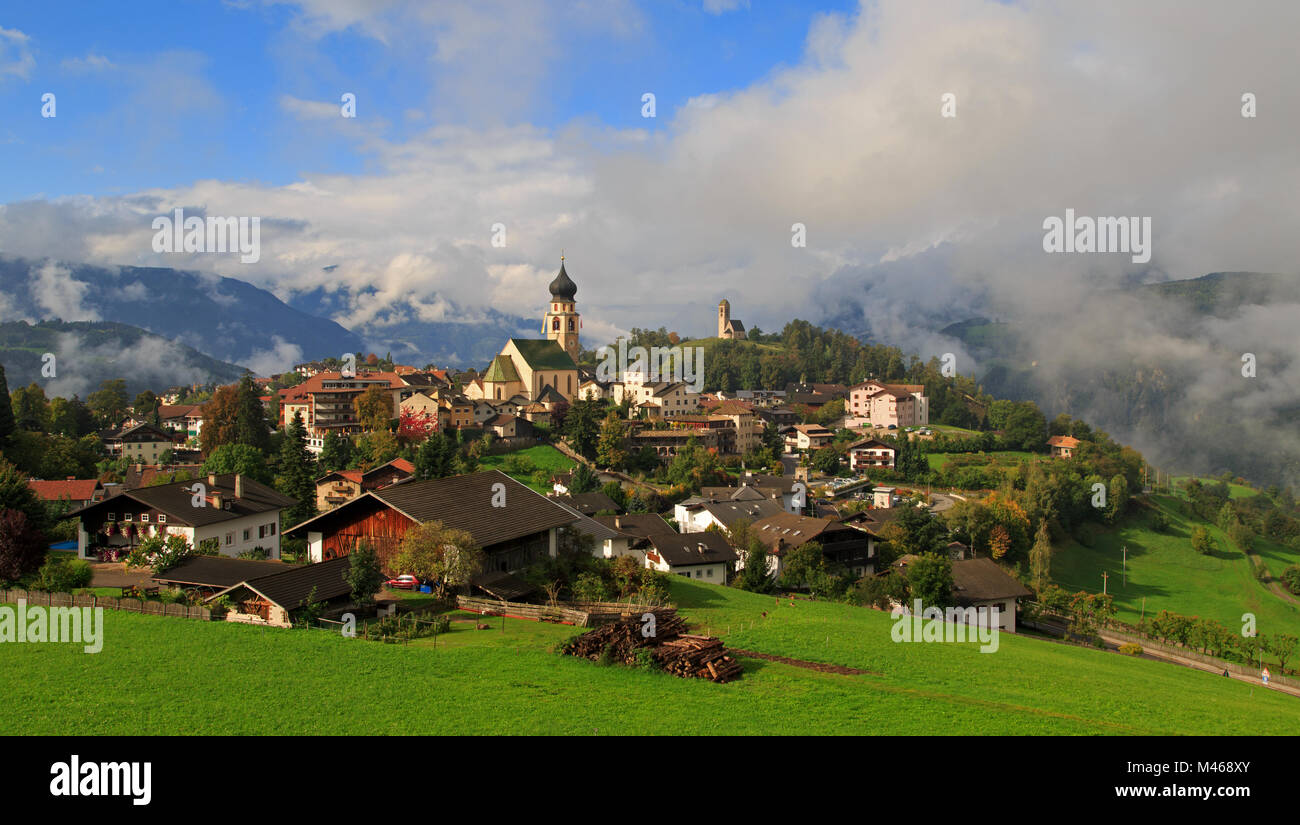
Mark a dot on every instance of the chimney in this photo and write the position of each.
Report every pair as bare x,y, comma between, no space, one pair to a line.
239,486
618,522
212,479
216,500
70,478
139,468
701,547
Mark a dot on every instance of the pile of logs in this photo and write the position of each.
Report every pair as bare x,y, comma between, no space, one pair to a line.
701,657
673,650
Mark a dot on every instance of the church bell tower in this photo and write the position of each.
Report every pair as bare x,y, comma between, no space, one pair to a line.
562,322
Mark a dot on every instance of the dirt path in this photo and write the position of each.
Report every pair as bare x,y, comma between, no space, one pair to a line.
821,667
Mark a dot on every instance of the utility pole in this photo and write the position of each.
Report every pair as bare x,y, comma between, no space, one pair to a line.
1126,565
1104,577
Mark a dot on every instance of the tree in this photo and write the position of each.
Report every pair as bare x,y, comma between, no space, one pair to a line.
1040,558
915,531
929,578
583,480
15,494
7,425
146,403
1116,498
415,425
336,453
374,408
109,402
239,458
826,461
1281,645
220,419
1202,541
433,459
297,471
30,408
999,541
582,426
611,446
22,546
801,564
251,426
365,576
434,552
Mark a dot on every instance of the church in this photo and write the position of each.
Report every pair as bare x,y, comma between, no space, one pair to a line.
541,370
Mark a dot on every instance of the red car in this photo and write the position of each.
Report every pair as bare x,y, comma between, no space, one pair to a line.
404,582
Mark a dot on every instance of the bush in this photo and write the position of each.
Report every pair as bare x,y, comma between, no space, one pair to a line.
258,553
59,576
1159,521
645,660
1131,649
1291,578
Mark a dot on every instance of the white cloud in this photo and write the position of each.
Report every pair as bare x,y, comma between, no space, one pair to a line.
16,59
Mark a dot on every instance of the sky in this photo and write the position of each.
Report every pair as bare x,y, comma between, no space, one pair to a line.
529,114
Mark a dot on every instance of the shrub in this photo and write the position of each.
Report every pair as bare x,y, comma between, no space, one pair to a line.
258,553
645,660
1291,578
59,576
1131,649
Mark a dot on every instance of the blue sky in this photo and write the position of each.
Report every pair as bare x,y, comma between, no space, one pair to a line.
160,94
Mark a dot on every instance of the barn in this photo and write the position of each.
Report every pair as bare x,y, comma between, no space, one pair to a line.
514,525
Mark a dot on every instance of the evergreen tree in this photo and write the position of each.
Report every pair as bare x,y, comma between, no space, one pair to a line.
433,459
6,410
297,471
336,452
1040,558
251,426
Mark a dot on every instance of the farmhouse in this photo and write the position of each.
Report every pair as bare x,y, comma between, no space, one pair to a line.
77,491
213,573
236,513
1063,446
870,453
512,536
332,489
271,599
981,584
704,556
840,543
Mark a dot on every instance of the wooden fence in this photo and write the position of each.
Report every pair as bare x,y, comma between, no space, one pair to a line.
582,614
40,597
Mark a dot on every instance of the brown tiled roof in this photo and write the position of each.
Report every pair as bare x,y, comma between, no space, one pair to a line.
80,489
462,502
981,580
218,571
176,499
641,525
681,549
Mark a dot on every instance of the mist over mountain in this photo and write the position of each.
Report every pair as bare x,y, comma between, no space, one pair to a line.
1157,365
225,318
87,353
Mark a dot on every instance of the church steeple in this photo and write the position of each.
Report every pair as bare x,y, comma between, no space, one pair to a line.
562,322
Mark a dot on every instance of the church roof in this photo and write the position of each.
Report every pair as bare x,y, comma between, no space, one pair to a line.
543,354
563,286
502,369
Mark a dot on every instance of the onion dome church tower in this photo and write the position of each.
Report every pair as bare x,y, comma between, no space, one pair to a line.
562,322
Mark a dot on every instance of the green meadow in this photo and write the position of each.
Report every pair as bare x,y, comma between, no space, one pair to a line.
1168,574
542,457
160,675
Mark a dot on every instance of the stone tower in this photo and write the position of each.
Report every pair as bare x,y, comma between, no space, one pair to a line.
562,322
724,316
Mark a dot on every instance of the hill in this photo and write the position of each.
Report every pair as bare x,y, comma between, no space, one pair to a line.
88,352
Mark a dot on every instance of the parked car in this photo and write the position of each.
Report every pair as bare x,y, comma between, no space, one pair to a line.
403,582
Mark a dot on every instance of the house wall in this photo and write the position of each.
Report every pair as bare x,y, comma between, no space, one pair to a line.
268,522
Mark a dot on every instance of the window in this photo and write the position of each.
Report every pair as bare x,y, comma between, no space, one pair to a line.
230,538
126,516
144,517
162,518
247,534
112,516
271,528
710,572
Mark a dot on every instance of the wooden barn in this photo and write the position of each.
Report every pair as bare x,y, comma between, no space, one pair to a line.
514,525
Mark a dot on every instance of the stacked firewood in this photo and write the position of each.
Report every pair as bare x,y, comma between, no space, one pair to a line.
674,650
701,657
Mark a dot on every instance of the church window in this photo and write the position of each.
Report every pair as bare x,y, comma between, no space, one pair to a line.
555,324
570,325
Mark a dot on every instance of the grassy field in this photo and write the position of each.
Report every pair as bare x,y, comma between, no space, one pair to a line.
1234,490
1165,570
165,675
1001,458
542,457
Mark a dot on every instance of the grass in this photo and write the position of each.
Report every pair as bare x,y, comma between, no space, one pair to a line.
1234,490
542,456
1165,570
160,675
1001,458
